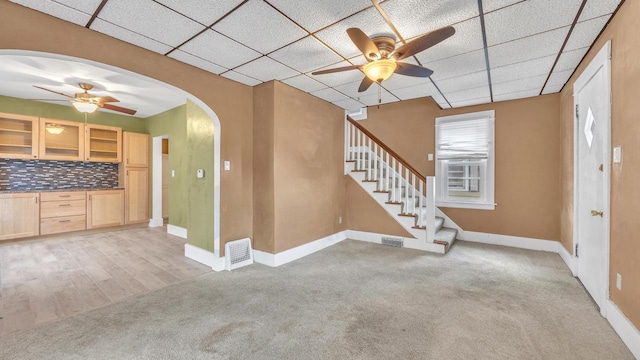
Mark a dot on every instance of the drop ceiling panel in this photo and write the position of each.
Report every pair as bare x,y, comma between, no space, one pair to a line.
416,17
266,69
418,91
468,94
314,15
219,49
260,27
197,62
528,48
372,100
129,36
306,55
517,95
471,102
77,12
492,5
329,95
524,69
370,21
598,8
349,104
585,33
559,77
469,81
528,18
530,83
569,60
468,63
304,83
241,78
150,19
468,37
204,12
398,81
552,89
351,89
338,78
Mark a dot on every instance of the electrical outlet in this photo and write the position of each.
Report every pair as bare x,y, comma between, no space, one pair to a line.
430,157
340,220
227,165
619,282
617,155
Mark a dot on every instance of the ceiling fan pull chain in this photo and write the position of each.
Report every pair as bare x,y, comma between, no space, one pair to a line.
379,95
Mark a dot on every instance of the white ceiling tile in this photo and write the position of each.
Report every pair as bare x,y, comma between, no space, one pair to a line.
557,80
598,8
241,78
314,15
205,12
370,21
540,66
468,94
530,83
266,69
471,102
468,81
569,60
517,95
306,55
416,17
458,65
197,62
399,81
358,60
349,104
129,36
351,89
304,83
528,48
528,18
552,89
77,12
418,91
468,37
219,49
338,78
329,95
372,100
585,33
492,5
260,27
150,19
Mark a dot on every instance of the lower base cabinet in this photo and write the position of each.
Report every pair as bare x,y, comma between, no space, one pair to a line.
105,208
19,215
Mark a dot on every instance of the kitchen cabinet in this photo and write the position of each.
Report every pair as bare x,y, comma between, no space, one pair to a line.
61,140
105,208
136,195
103,143
18,136
136,149
62,212
19,215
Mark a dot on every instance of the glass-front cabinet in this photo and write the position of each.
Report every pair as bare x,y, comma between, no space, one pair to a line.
18,136
103,143
61,140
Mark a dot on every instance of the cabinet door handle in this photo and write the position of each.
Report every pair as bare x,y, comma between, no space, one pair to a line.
64,196
64,221
64,205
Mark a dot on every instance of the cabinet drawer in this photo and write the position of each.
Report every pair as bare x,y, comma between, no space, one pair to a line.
65,196
62,224
62,208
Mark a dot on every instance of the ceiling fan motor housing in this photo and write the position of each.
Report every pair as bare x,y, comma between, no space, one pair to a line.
385,43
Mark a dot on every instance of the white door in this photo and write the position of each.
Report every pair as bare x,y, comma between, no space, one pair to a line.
592,106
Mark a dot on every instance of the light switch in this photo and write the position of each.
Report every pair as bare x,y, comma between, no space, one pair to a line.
173,173
430,157
619,282
617,155
227,165
200,173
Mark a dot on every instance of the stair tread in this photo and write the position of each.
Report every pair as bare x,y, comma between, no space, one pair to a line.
447,235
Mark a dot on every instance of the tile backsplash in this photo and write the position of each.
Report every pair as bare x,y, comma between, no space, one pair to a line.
30,175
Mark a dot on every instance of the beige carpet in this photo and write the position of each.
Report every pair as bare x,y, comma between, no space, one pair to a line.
353,300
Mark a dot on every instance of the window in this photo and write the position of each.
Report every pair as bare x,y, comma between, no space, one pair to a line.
465,161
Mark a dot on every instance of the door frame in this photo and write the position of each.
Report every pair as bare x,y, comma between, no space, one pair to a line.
601,60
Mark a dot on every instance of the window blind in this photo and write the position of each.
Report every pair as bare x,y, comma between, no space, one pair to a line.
464,139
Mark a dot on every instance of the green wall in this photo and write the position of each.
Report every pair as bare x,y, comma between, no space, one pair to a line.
47,110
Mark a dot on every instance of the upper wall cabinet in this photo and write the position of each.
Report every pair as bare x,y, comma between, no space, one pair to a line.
18,136
136,149
61,140
103,143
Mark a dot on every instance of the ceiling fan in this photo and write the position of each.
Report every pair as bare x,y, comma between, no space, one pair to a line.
383,57
87,103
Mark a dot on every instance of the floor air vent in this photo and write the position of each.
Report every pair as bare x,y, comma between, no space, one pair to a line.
392,242
238,253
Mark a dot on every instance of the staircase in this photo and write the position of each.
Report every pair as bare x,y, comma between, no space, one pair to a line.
393,183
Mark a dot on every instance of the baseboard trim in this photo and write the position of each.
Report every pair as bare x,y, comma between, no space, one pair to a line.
156,222
570,260
287,256
508,240
624,327
204,257
176,231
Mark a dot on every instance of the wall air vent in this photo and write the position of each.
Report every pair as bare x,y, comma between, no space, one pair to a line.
392,242
238,253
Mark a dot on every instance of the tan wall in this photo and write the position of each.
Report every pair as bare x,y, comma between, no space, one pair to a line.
527,149
625,127
25,29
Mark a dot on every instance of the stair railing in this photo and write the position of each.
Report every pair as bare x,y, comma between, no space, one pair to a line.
394,175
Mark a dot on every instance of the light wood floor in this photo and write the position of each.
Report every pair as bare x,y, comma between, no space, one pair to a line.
52,279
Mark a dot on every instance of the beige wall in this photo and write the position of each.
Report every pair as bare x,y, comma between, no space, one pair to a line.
527,149
625,128
25,29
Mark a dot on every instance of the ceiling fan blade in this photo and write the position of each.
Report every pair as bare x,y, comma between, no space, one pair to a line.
329,71
422,43
362,42
117,108
105,99
47,99
55,92
413,70
364,85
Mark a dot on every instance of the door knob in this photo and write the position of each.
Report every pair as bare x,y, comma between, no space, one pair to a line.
597,213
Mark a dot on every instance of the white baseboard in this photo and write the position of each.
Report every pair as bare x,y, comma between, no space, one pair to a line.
625,329
297,252
204,257
508,240
569,259
156,222
177,231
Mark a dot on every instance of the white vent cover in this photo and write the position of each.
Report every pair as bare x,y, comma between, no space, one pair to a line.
238,253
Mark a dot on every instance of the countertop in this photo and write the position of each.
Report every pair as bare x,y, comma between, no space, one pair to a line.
56,190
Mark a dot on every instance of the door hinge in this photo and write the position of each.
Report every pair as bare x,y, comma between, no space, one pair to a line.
576,252
577,112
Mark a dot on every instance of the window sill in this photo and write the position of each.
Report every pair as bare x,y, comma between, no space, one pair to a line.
465,205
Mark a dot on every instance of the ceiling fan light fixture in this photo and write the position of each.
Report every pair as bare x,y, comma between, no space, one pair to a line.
380,70
84,107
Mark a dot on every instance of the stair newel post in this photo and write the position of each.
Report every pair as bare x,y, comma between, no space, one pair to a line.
358,151
375,163
413,194
420,190
388,175
398,197
369,156
350,141
431,208
406,191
